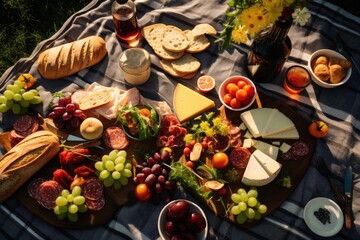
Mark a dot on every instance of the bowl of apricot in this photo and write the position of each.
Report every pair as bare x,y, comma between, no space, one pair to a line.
237,93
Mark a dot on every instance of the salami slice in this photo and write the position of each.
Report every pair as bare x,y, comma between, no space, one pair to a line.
95,205
15,138
47,193
34,185
93,189
297,151
239,157
23,123
115,138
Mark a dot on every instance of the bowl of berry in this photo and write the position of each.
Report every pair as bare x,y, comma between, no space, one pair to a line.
182,219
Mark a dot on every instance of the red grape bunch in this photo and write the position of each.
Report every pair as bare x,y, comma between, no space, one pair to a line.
155,175
66,114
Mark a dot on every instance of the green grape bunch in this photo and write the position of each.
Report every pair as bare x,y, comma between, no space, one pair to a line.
246,206
69,204
114,169
18,99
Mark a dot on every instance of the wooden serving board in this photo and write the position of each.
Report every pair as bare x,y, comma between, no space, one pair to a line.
273,194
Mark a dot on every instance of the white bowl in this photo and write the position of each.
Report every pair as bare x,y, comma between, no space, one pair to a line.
193,208
327,53
234,79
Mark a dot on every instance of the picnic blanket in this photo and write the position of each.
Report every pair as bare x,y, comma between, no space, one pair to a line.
338,107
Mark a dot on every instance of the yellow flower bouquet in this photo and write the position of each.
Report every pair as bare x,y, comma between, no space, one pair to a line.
247,18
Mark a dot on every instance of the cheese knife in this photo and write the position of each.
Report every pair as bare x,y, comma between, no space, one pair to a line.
348,183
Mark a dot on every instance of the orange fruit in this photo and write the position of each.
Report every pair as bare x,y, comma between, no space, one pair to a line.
206,83
220,160
142,192
318,129
241,94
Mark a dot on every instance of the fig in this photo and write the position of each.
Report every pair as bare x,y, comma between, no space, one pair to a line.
195,222
178,211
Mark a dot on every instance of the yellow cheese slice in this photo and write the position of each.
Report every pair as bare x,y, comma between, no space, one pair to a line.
189,104
256,119
277,123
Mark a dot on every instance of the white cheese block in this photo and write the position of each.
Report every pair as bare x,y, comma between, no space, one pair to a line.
270,150
242,126
288,134
285,147
277,123
255,174
248,135
256,119
276,143
247,143
271,166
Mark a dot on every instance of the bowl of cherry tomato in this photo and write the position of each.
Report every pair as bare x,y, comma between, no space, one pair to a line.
237,93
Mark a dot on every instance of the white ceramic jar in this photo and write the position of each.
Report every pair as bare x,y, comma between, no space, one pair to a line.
135,64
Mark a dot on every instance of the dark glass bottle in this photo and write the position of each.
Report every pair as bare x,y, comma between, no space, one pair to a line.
125,21
269,52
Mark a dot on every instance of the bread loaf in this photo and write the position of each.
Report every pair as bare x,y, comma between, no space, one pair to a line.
67,59
25,159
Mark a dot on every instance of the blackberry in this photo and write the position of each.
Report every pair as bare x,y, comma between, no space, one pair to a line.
323,215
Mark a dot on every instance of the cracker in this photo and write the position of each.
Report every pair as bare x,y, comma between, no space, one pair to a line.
166,65
197,44
203,28
186,64
95,99
175,40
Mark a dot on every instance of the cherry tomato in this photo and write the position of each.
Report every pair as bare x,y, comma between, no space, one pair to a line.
318,129
241,84
229,85
187,151
204,144
27,80
249,89
234,103
241,94
142,192
227,98
220,160
233,90
190,164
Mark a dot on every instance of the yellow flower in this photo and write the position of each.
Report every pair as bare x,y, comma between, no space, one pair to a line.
189,138
254,19
209,132
217,121
204,125
239,35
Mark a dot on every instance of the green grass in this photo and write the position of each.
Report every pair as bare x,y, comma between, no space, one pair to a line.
24,23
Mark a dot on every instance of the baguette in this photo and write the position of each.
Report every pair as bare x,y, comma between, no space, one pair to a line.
67,59
21,162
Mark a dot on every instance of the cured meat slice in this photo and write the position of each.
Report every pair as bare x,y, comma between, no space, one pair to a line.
170,134
297,151
47,193
115,138
95,205
15,138
34,185
239,157
93,189
25,125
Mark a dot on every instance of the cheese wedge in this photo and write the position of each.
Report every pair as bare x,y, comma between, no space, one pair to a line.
277,123
271,166
261,170
255,174
288,134
284,147
270,150
247,143
189,104
256,120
